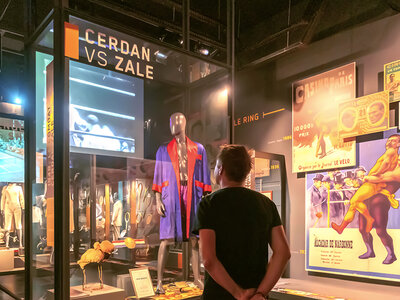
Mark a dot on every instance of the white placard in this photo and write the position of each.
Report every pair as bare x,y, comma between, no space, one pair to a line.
141,282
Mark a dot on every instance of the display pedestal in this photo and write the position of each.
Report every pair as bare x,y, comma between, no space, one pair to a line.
124,282
92,292
6,260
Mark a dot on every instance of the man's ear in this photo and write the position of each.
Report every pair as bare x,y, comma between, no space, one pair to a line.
220,170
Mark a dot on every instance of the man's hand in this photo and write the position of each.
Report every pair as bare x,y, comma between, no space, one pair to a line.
246,294
257,297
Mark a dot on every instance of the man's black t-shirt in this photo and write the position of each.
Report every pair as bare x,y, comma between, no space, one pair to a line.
242,220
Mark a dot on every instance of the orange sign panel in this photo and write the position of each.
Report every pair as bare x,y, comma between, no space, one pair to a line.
71,40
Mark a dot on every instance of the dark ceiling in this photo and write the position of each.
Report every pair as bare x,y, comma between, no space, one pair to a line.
265,29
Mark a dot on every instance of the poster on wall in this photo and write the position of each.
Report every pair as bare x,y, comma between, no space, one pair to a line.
392,80
364,115
353,217
316,144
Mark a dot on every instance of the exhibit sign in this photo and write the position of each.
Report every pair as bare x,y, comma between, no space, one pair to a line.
316,144
392,80
364,115
104,48
142,283
353,217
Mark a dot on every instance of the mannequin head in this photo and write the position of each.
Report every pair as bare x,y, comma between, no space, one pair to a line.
177,124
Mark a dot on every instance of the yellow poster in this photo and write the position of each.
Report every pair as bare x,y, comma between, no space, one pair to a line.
392,80
364,115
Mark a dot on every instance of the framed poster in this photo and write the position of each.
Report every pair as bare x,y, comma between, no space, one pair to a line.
353,217
141,282
364,115
316,144
392,80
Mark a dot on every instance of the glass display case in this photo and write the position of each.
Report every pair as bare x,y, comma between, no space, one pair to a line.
118,117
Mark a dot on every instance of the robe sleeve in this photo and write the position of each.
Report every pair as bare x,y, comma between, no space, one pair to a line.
205,172
157,181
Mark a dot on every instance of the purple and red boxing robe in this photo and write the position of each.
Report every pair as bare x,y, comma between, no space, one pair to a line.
167,182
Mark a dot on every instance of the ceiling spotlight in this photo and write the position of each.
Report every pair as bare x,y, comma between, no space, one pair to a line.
161,57
204,51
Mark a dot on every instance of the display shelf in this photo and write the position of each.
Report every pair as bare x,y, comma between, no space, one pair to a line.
295,289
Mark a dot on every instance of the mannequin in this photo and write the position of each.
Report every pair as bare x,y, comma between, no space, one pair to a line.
181,178
12,204
116,220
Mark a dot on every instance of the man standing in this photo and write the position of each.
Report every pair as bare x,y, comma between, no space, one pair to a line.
338,198
315,198
235,226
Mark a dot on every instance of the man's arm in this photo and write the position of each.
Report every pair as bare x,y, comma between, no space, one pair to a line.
277,263
386,177
215,268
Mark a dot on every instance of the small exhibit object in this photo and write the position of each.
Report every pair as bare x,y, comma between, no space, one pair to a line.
141,282
179,290
99,253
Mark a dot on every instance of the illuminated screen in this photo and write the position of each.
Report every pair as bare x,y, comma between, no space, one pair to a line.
106,112
11,150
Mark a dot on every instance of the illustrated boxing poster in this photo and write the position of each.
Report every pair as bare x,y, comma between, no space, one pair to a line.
316,144
352,215
392,80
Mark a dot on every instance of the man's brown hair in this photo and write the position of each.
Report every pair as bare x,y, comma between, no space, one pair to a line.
236,162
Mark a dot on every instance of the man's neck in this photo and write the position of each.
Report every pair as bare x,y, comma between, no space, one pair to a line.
228,183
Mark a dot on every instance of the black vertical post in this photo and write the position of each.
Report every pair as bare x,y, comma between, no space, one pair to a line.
186,24
186,74
230,48
76,179
92,199
29,142
61,157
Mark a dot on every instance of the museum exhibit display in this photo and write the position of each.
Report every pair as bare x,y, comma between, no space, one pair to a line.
112,114
122,93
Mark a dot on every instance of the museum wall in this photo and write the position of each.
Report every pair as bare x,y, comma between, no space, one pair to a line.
263,115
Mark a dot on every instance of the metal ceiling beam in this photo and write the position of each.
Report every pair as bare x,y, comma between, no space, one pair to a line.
274,55
194,14
313,14
5,10
156,22
276,35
